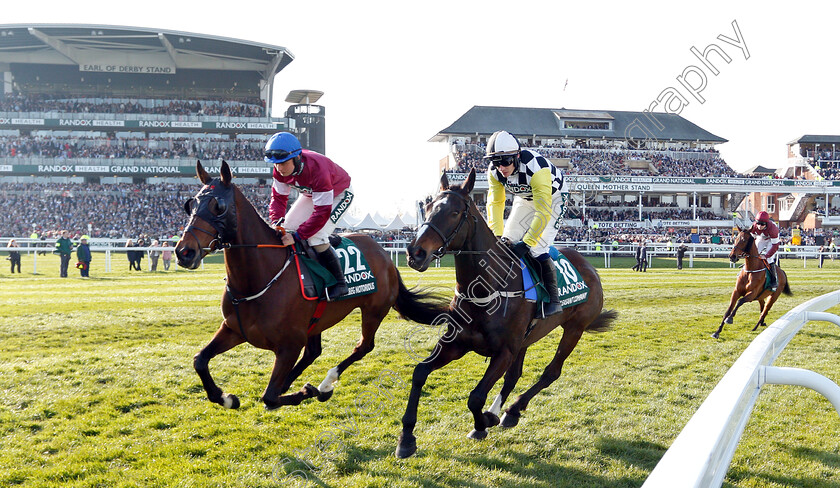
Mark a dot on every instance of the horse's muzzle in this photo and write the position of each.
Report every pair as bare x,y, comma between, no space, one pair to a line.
418,258
733,258
187,257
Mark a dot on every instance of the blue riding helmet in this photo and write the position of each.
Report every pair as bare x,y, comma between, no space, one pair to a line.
281,147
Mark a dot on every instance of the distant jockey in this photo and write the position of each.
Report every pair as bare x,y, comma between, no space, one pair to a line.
325,194
538,205
766,235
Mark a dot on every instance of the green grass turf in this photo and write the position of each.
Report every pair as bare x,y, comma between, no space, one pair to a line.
98,390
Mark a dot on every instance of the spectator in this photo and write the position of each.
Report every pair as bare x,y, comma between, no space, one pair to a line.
84,257
680,254
14,256
154,255
166,255
64,248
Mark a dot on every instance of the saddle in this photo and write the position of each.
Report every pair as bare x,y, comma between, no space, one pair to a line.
315,279
571,289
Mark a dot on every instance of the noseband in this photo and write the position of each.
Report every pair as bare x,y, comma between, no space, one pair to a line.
448,239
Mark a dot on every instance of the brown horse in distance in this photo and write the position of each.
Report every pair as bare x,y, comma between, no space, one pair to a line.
262,303
749,285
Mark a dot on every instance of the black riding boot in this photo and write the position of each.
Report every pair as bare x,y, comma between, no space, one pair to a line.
774,280
329,259
549,278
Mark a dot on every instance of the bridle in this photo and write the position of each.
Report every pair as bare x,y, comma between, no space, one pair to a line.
747,246
223,223
448,239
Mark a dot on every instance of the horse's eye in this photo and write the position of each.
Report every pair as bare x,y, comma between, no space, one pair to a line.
189,206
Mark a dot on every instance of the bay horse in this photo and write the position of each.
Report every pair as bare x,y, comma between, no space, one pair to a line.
262,303
749,285
489,314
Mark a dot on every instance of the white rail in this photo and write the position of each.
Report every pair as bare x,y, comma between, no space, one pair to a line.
701,454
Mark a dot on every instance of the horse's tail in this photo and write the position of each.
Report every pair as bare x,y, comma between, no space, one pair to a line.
603,322
786,289
420,305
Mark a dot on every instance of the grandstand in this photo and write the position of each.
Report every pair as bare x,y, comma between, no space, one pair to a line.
102,122
650,173
107,104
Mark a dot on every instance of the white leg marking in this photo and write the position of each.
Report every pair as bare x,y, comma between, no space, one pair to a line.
329,382
497,405
228,402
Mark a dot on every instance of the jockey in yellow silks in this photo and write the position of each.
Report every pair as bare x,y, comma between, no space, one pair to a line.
538,204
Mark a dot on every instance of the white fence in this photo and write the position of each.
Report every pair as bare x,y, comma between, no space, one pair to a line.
701,454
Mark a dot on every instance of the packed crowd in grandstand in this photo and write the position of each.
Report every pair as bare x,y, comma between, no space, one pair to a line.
136,148
616,162
45,103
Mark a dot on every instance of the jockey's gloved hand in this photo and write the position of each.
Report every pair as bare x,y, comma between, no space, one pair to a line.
520,249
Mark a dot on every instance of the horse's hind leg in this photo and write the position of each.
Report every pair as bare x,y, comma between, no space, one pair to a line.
571,336
478,397
765,309
370,324
512,376
222,341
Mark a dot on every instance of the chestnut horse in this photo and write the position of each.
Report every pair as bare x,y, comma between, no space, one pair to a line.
262,303
749,285
489,314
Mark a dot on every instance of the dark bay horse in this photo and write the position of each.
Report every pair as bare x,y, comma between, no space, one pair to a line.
262,303
488,314
749,285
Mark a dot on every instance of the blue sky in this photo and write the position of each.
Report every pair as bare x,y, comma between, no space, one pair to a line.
395,73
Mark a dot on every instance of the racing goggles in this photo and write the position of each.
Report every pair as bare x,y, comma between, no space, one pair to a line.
499,161
279,154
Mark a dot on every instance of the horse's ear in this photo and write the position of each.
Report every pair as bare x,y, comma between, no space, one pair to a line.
469,183
201,173
444,182
226,174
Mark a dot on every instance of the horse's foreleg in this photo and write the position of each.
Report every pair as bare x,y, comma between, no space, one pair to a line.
370,323
222,341
284,359
512,376
310,354
478,397
571,336
444,353
734,303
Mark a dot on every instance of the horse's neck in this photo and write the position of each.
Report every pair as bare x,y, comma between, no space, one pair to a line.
487,259
248,266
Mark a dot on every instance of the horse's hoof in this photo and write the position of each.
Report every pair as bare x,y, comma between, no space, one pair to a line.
324,396
477,435
716,335
491,419
407,446
728,320
309,391
230,401
509,420
269,406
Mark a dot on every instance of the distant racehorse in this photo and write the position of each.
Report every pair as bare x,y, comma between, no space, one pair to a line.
489,314
262,303
749,285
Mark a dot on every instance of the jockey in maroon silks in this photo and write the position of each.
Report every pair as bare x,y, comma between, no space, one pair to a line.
767,241
324,195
